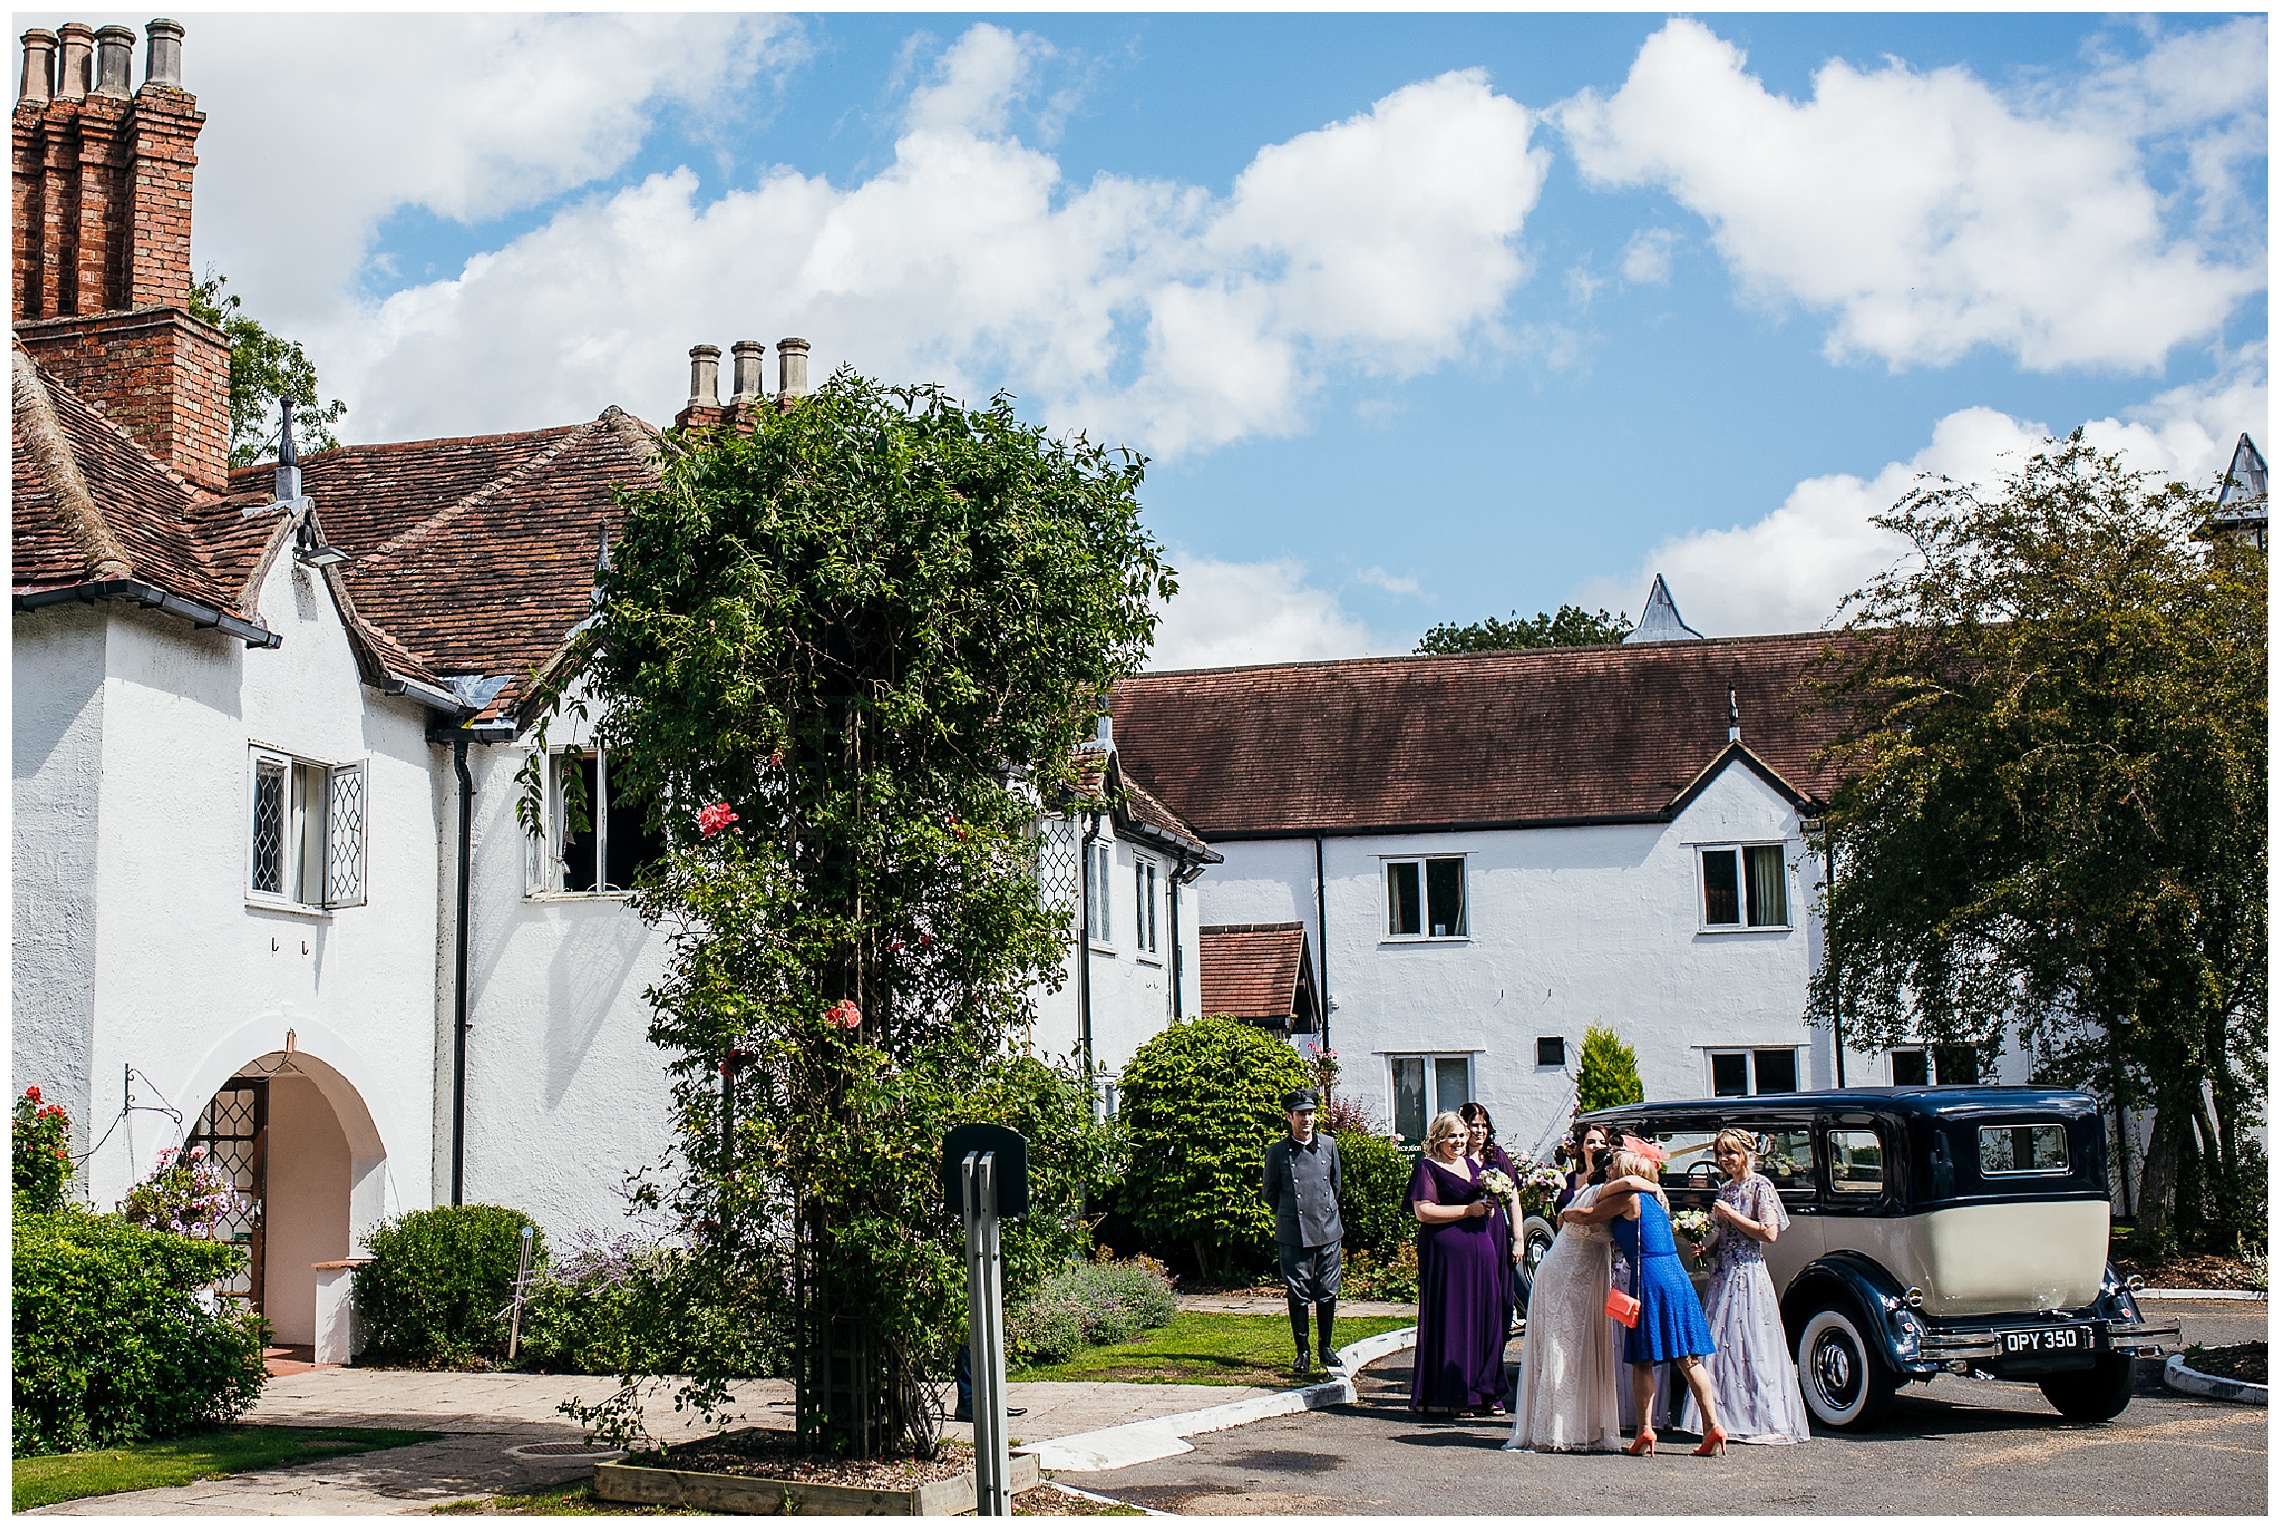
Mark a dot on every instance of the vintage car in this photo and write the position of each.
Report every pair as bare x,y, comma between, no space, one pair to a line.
1959,1228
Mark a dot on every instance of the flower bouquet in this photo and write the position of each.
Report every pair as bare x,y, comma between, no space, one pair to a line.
1696,1227
1497,1182
1540,1185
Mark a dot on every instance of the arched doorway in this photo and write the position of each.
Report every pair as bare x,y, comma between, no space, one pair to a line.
301,1146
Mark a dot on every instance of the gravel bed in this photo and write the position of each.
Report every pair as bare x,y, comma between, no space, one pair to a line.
775,1454
2242,1361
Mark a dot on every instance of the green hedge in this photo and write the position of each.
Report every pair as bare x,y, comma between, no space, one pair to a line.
114,1341
436,1292
1370,1204
1202,1102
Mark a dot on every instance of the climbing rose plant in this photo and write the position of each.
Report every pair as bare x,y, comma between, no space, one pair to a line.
41,1153
868,635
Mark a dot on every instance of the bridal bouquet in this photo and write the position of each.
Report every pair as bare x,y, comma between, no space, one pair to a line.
1497,1183
1540,1185
1695,1226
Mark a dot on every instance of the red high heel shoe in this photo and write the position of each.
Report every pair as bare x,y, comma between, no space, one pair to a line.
1642,1446
1713,1442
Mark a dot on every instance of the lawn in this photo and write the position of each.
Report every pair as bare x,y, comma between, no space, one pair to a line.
178,1461
1203,1348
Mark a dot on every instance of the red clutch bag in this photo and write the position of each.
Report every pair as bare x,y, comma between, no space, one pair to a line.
1622,1307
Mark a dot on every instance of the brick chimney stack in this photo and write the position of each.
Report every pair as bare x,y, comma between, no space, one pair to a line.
100,195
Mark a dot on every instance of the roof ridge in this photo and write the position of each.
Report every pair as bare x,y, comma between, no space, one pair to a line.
476,498
82,516
1525,654
414,445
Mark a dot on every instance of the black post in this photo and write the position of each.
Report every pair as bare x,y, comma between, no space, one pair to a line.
1084,946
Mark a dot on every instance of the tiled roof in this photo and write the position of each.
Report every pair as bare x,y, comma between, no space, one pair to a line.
90,504
1137,806
1542,737
476,554
1254,971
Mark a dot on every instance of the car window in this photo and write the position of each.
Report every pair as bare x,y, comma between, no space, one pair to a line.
1786,1157
1691,1164
2029,1148
1856,1162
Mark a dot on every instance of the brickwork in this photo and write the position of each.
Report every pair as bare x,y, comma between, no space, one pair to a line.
159,374
100,193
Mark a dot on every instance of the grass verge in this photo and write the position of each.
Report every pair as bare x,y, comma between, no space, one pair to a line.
50,1478
1203,1348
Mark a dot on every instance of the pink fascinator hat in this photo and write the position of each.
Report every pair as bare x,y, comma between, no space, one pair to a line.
1647,1149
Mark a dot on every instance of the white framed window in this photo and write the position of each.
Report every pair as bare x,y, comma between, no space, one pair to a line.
306,838
1099,860
1425,898
1744,886
1765,1069
1144,896
595,839
1423,1086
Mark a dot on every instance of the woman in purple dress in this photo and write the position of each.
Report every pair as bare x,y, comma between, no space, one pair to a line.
1484,1153
1460,1320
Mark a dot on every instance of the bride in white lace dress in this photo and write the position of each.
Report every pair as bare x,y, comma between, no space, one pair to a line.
1566,1400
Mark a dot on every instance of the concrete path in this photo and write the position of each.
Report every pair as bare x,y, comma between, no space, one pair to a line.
1260,1304
486,1415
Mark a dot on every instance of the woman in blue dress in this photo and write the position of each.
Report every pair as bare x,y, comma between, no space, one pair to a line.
1671,1327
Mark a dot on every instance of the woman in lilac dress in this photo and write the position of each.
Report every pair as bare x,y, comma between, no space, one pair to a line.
1460,1320
1752,1372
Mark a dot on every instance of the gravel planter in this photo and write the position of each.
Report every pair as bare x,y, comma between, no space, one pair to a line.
2235,1373
762,1472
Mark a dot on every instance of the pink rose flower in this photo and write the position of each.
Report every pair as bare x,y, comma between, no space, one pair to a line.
712,819
843,1013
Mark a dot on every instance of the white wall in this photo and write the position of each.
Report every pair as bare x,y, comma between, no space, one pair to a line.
1566,927
565,1094
57,672
188,981
308,1170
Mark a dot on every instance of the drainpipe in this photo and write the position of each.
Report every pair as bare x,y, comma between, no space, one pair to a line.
1322,936
1174,890
1084,946
1836,1007
459,984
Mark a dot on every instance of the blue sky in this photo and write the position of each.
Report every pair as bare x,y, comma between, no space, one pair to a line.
1422,318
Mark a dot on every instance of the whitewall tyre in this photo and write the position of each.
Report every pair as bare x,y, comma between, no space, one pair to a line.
1846,1381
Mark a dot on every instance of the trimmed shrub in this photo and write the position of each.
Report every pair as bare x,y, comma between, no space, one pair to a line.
118,1336
1391,1278
1202,1102
1608,1073
1370,1203
1091,1305
622,1305
436,1292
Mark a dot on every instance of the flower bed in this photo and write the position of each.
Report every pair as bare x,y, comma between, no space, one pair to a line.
767,1470
2242,1361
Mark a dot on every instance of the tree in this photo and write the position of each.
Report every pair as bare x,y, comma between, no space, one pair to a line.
264,368
1202,1102
2053,821
1569,626
1608,1073
841,660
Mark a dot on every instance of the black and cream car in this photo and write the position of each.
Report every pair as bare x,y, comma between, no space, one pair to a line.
1931,1229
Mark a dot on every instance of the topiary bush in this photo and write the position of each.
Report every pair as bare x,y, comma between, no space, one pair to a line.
118,1337
1376,1171
1608,1073
435,1294
1090,1304
1202,1102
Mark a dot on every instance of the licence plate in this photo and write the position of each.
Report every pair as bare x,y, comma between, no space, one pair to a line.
2055,1339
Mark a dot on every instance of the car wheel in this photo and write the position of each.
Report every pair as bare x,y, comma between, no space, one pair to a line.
2096,1394
1535,1241
1846,1381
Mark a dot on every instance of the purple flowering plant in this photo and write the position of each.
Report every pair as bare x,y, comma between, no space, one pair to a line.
187,1193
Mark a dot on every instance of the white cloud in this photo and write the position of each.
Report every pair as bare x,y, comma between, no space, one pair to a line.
1930,215
320,126
1646,259
1229,613
1400,585
1145,311
1787,571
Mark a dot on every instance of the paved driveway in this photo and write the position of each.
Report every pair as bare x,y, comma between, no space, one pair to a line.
1954,1446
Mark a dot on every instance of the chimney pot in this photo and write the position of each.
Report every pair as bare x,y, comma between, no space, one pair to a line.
162,61
751,368
704,376
38,83
76,74
791,368
115,61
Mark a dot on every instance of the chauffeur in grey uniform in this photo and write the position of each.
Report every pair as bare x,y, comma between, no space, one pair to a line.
1303,1177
